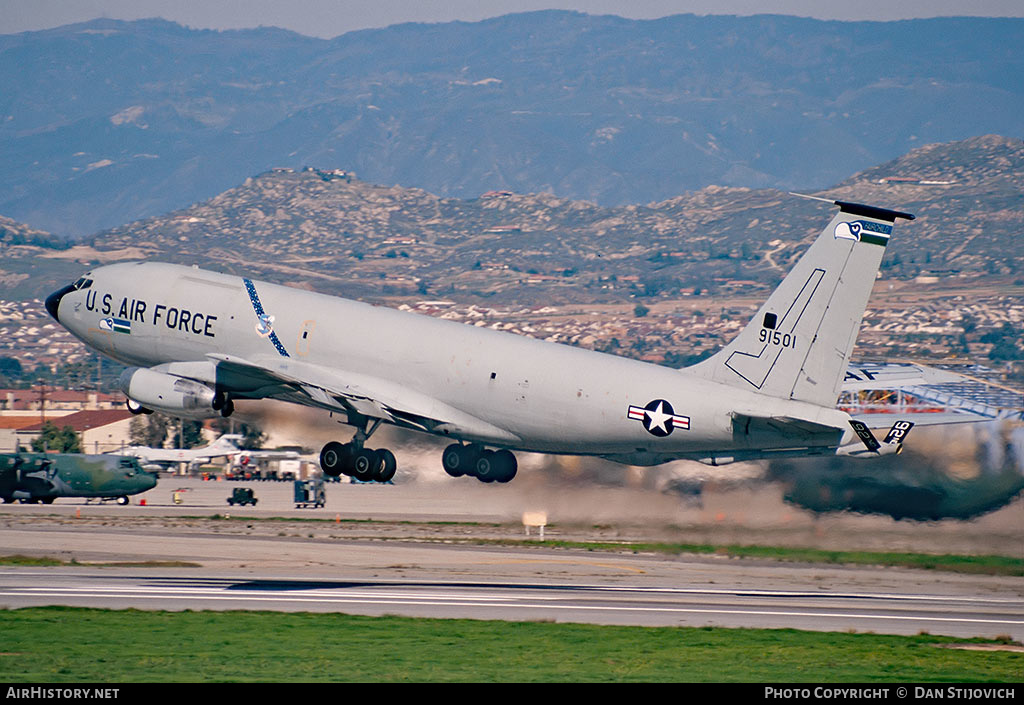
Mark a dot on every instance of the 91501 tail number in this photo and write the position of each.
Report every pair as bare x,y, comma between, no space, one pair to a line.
774,337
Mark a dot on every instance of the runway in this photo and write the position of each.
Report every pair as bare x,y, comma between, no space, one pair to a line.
904,613
414,561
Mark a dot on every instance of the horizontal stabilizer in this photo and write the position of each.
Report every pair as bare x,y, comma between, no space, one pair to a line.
920,419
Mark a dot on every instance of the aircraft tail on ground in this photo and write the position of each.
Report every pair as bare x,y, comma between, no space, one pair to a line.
228,441
799,343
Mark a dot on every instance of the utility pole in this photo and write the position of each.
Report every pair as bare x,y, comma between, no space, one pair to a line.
42,413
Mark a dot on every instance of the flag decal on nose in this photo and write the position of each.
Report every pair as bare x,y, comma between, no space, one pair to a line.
116,325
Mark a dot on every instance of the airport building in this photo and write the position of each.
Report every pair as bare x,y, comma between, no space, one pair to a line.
100,419
101,430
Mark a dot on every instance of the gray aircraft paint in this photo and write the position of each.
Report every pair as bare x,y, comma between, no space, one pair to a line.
771,391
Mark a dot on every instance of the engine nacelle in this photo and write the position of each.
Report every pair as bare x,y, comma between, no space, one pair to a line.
162,392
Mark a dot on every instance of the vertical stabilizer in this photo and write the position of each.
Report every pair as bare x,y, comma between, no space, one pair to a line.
227,442
799,343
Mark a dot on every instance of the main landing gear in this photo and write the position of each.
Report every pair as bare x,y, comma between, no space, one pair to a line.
353,459
364,464
476,461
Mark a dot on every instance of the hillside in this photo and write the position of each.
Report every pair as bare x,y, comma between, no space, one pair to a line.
668,282
108,122
344,236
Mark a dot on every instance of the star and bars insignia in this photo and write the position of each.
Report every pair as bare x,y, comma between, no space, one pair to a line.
659,418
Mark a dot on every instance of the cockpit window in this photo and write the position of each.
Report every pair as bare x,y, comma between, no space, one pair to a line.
82,283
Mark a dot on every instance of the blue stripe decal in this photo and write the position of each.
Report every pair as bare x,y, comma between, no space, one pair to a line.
254,298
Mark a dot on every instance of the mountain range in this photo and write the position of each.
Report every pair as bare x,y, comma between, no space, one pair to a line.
108,122
324,229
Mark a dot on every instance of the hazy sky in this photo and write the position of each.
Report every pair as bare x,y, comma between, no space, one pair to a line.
329,18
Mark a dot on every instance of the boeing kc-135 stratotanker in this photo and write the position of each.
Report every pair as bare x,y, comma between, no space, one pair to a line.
198,340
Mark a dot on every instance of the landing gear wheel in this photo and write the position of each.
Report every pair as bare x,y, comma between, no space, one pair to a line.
486,470
365,463
507,465
219,399
388,466
456,460
122,500
228,408
334,458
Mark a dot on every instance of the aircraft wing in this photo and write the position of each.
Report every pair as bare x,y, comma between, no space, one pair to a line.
269,454
352,393
877,393
150,455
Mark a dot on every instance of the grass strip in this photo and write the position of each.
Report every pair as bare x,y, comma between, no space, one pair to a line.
64,644
19,559
45,561
984,565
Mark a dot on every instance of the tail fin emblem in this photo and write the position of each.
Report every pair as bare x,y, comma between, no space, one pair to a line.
863,231
848,231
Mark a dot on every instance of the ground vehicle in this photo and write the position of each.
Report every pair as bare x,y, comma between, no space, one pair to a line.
242,496
309,493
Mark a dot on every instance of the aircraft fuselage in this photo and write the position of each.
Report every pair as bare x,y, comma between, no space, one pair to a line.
534,395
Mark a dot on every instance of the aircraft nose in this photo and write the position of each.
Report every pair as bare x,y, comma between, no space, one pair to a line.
53,300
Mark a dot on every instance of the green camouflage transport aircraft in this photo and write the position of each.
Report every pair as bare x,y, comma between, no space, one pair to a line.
42,477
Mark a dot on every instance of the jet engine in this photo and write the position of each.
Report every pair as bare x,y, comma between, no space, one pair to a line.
162,392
